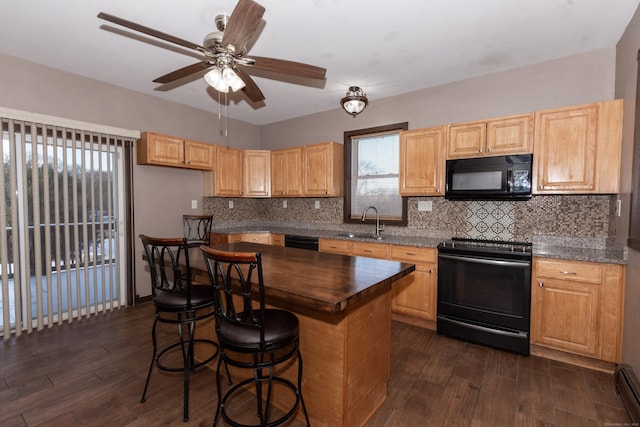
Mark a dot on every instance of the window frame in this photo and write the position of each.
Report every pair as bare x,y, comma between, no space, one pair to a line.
348,135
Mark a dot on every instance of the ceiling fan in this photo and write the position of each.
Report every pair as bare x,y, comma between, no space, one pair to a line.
224,53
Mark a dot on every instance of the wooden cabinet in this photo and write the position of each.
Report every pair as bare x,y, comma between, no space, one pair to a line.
257,173
577,307
286,172
335,246
262,238
499,136
322,169
164,150
370,250
577,149
422,162
415,295
228,172
277,240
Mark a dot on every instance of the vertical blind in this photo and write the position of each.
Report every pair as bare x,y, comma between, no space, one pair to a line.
62,254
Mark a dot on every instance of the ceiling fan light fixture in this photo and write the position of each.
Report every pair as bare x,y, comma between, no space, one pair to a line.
232,79
355,101
214,78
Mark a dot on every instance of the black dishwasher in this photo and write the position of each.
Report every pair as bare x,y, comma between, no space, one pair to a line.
301,242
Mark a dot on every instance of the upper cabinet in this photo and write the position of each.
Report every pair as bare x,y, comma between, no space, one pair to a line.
323,168
257,173
286,172
577,149
499,136
164,150
422,161
228,173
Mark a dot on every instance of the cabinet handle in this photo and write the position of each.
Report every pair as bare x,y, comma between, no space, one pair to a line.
480,150
437,190
567,272
431,271
540,284
411,254
489,150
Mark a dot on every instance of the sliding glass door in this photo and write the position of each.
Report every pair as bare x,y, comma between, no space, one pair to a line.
61,256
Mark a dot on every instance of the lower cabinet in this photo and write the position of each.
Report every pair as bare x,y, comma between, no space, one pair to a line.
263,238
577,307
414,296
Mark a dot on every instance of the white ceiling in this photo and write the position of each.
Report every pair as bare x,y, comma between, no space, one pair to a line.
385,47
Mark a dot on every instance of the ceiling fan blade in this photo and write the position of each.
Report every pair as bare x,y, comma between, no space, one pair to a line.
289,67
251,89
150,31
243,22
183,72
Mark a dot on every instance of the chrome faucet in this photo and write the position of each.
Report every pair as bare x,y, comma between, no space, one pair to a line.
378,227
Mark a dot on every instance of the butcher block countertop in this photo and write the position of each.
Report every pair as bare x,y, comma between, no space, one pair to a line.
316,281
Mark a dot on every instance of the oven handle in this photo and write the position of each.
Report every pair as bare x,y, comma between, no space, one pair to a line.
524,264
483,328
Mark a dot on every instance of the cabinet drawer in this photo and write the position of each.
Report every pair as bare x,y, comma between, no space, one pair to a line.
335,246
277,239
413,254
371,250
570,270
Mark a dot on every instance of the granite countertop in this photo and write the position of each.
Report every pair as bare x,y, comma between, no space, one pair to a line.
574,249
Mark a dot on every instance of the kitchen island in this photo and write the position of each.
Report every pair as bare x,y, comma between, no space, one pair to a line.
344,307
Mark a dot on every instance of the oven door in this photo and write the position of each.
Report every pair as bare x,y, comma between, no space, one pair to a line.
485,290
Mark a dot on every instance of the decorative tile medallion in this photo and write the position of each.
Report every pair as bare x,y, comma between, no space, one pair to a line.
490,220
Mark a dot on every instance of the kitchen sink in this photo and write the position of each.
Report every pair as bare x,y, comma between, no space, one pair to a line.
360,236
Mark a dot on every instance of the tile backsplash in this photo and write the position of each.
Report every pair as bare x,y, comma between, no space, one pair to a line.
587,216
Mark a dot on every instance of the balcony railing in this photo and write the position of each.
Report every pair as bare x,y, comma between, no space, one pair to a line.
98,248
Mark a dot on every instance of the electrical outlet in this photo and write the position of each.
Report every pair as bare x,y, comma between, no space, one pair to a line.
425,205
317,204
619,208
230,204
194,204
284,204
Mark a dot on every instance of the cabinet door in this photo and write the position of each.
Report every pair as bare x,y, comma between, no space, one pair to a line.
577,149
510,135
466,140
228,173
198,155
566,316
422,162
286,172
257,173
565,149
158,149
322,169
415,294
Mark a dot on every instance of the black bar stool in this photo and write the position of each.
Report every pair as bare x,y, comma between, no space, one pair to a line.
179,302
269,336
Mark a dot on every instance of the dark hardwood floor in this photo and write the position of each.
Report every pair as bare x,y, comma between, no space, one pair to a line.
91,372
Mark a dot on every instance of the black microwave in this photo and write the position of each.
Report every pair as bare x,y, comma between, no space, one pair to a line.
489,178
